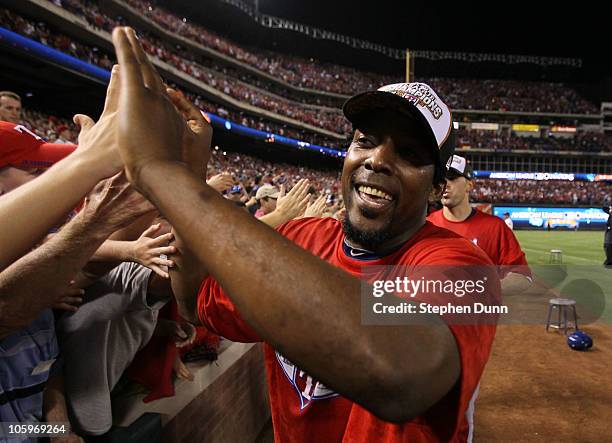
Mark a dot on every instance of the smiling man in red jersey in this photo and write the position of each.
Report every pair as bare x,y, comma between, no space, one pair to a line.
488,232
331,378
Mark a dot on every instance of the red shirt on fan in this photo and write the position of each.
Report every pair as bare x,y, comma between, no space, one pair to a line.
304,410
489,233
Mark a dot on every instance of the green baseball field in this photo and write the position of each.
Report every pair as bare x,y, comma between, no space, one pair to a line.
578,248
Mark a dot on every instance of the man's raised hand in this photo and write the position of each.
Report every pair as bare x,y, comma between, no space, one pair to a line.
316,208
150,127
198,136
221,182
98,140
294,203
115,203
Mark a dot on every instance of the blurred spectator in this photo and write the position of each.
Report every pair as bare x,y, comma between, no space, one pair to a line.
10,107
266,197
65,134
506,140
542,192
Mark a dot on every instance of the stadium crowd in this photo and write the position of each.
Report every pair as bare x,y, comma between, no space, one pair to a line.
551,192
330,119
40,32
509,95
506,140
492,95
94,16
112,262
249,173
327,118
295,70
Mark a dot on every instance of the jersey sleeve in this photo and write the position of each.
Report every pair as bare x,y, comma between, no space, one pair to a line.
511,256
218,314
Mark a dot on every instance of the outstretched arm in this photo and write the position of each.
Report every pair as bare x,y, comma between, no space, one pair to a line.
146,250
186,277
28,212
302,306
34,282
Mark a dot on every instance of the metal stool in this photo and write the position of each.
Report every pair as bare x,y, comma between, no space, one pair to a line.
562,305
556,256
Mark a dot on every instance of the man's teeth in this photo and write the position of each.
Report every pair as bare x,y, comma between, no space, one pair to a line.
375,192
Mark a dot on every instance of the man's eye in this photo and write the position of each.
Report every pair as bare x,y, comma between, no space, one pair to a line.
364,141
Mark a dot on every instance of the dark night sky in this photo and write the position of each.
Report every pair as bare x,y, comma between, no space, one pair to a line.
536,27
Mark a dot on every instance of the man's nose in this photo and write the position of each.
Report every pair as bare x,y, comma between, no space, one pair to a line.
381,158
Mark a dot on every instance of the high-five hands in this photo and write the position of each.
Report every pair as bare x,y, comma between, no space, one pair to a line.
316,208
148,250
97,140
150,128
288,206
198,135
294,203
115,203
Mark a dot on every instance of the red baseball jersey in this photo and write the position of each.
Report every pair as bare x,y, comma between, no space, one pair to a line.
489,233
303,409
20,146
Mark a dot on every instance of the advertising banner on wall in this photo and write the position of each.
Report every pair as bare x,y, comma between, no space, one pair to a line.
535,217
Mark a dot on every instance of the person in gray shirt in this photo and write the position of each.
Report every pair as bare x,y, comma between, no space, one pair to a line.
99,341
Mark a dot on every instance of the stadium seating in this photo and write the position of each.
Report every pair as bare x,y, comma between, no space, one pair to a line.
493,95
505,140
250,171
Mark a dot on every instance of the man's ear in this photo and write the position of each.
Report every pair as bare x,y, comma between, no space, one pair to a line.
437,189
470,186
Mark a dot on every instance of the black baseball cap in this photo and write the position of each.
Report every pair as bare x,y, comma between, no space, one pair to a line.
417,101
459,165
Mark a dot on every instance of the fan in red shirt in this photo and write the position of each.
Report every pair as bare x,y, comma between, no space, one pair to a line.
488,232
331,378
21,151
